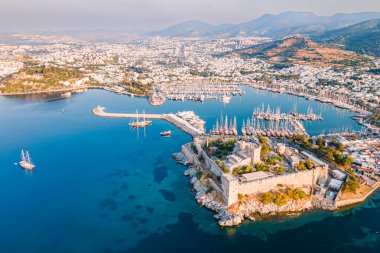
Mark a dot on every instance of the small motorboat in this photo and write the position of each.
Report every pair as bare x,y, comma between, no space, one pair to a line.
166,133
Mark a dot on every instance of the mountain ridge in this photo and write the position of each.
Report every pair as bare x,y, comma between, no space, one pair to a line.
268,25
363,38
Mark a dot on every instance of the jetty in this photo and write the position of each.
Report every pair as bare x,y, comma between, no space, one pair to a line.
172,118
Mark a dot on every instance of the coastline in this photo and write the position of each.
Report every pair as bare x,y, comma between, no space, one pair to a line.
306,96
359,200
223,215
359,112
213,201
243,210
78,89
252,85
208,195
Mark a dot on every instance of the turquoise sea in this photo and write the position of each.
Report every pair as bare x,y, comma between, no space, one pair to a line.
102,187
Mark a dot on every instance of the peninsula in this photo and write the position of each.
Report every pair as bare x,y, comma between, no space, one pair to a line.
241,178
246,176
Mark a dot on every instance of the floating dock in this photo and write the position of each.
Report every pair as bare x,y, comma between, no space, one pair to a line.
171,118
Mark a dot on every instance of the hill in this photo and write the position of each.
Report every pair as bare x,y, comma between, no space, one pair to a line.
269,25
363,38
36,78
192,28
298,50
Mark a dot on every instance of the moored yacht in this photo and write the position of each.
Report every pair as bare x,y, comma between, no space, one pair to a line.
166,133
136,122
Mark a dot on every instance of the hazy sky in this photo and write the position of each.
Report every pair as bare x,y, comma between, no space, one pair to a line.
40,15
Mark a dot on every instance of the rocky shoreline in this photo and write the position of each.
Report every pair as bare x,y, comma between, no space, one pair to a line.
245,209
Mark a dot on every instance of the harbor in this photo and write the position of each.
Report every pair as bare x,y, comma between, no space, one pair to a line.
200,91
124,170
276,115
338,100
252,127
190,123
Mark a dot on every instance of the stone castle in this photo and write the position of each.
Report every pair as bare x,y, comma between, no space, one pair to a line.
230,186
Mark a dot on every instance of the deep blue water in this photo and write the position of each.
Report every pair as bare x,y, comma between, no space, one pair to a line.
102,187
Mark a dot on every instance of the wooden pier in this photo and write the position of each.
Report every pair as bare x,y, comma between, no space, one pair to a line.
171,118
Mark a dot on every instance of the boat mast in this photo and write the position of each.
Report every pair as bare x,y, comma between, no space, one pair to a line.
22,156
28,157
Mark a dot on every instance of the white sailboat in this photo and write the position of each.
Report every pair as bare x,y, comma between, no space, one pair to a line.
26,161
137,123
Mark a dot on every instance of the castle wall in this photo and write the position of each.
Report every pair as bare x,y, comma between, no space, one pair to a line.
211,165
230,186
186,151
302,178
233,187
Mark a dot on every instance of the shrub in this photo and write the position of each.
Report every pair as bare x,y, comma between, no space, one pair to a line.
243,170
268,197
281,199
225,170
280,170
222,166
301,166
265,149
271,161
297,194
262,139
308,164
261,167
351,185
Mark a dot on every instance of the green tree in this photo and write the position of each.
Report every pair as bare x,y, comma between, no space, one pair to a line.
280,170
301,166
308,164
261,167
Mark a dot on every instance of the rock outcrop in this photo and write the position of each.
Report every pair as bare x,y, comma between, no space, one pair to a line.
242,210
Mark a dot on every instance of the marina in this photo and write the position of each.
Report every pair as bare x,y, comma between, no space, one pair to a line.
201,92
339,100
193,125
253,127
275,115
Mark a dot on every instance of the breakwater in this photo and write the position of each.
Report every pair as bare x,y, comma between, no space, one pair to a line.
170,117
